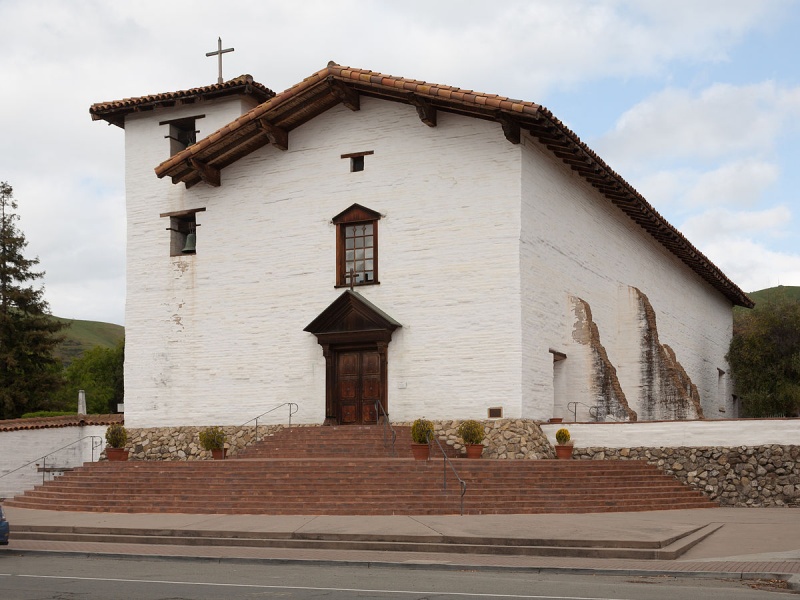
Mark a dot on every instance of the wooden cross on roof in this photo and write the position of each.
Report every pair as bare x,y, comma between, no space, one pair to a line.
219,52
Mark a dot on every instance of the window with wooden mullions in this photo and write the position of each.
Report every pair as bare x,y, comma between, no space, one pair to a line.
359,254
356,246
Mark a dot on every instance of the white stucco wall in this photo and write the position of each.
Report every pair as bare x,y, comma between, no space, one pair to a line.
574,242
218,337
673,434
17,448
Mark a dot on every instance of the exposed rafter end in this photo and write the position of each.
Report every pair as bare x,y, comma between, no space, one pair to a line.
510,128
425,110
346,95
207,173
277,136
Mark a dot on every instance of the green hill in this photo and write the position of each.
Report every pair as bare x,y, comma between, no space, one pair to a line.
791,291
84,335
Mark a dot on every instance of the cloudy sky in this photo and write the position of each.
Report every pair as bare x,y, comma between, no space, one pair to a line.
695,102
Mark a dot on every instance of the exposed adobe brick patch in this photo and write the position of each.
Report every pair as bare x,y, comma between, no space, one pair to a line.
607,389
667,390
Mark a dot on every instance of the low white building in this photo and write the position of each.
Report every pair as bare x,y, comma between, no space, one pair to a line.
499,267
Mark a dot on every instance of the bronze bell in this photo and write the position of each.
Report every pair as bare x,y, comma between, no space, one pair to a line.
191,241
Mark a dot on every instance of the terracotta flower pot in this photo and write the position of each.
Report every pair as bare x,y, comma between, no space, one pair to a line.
564,451
116,454
420,451
219,453
474,450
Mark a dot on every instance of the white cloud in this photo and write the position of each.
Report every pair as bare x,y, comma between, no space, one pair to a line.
753,266
719,223
740,183
60,57
722,121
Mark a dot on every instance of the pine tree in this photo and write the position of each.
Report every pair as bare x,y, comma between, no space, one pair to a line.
29,372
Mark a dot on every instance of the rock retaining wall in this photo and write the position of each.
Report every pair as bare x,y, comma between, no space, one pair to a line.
505,439
183,443
742,476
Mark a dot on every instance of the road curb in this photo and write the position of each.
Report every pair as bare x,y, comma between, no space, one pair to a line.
793,580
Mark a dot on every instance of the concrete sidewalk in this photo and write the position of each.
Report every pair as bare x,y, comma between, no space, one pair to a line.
742,543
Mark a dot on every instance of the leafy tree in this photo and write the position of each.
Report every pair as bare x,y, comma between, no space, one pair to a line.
765,356
99,372
29,372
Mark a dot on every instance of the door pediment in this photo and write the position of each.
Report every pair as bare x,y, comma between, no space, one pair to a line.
352,318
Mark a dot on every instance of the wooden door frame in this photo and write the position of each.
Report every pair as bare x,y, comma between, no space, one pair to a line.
330,352
351,322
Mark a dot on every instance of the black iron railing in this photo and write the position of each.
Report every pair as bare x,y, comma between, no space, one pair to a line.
445,463
388,430
293,408
97,442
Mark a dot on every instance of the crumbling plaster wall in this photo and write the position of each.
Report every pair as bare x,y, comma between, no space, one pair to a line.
575,243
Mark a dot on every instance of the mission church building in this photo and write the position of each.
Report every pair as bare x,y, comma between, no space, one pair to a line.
362,237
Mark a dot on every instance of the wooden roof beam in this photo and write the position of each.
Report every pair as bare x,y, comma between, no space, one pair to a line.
277,136
206,172
425,110
345,94
510,128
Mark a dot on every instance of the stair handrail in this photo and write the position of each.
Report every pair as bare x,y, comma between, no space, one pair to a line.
387,426
44,458
432,438
291,412
574,410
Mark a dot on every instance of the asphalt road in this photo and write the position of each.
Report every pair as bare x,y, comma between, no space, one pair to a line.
41,577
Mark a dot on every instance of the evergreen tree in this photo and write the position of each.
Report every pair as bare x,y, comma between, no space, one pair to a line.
765,356
98,372
29,373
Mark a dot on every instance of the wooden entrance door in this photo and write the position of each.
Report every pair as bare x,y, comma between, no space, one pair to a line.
358,386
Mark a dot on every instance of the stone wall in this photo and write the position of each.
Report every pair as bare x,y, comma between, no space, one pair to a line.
183,443
742,476
505,439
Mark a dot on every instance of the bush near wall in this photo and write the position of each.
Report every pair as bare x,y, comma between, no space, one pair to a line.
509,439
741,476
183,443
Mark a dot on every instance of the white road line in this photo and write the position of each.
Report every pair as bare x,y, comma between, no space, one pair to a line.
313,589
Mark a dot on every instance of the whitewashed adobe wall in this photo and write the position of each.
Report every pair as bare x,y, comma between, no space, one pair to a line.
574,243
673,434
218,337
22,446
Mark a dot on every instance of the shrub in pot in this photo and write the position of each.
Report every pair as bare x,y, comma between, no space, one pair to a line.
213,440
563,443
472,433
116,438
421,433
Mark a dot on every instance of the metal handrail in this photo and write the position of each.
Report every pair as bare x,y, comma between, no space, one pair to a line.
44,458
386,424
291,412
574,410
446,462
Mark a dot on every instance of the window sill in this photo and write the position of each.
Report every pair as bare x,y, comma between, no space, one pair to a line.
356,285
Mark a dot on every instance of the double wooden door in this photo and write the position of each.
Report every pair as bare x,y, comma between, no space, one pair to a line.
358,386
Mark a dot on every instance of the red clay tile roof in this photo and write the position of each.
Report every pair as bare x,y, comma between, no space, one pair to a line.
272,121
63,421
115,111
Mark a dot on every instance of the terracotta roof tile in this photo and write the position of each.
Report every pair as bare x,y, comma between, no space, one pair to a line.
114,111
62,421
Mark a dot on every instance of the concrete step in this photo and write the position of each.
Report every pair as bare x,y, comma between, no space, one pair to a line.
668,548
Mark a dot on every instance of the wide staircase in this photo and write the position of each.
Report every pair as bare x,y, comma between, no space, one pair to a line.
350,471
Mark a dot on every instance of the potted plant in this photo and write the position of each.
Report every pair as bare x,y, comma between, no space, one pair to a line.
421,434
116,438
213,439
472,433
564,443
